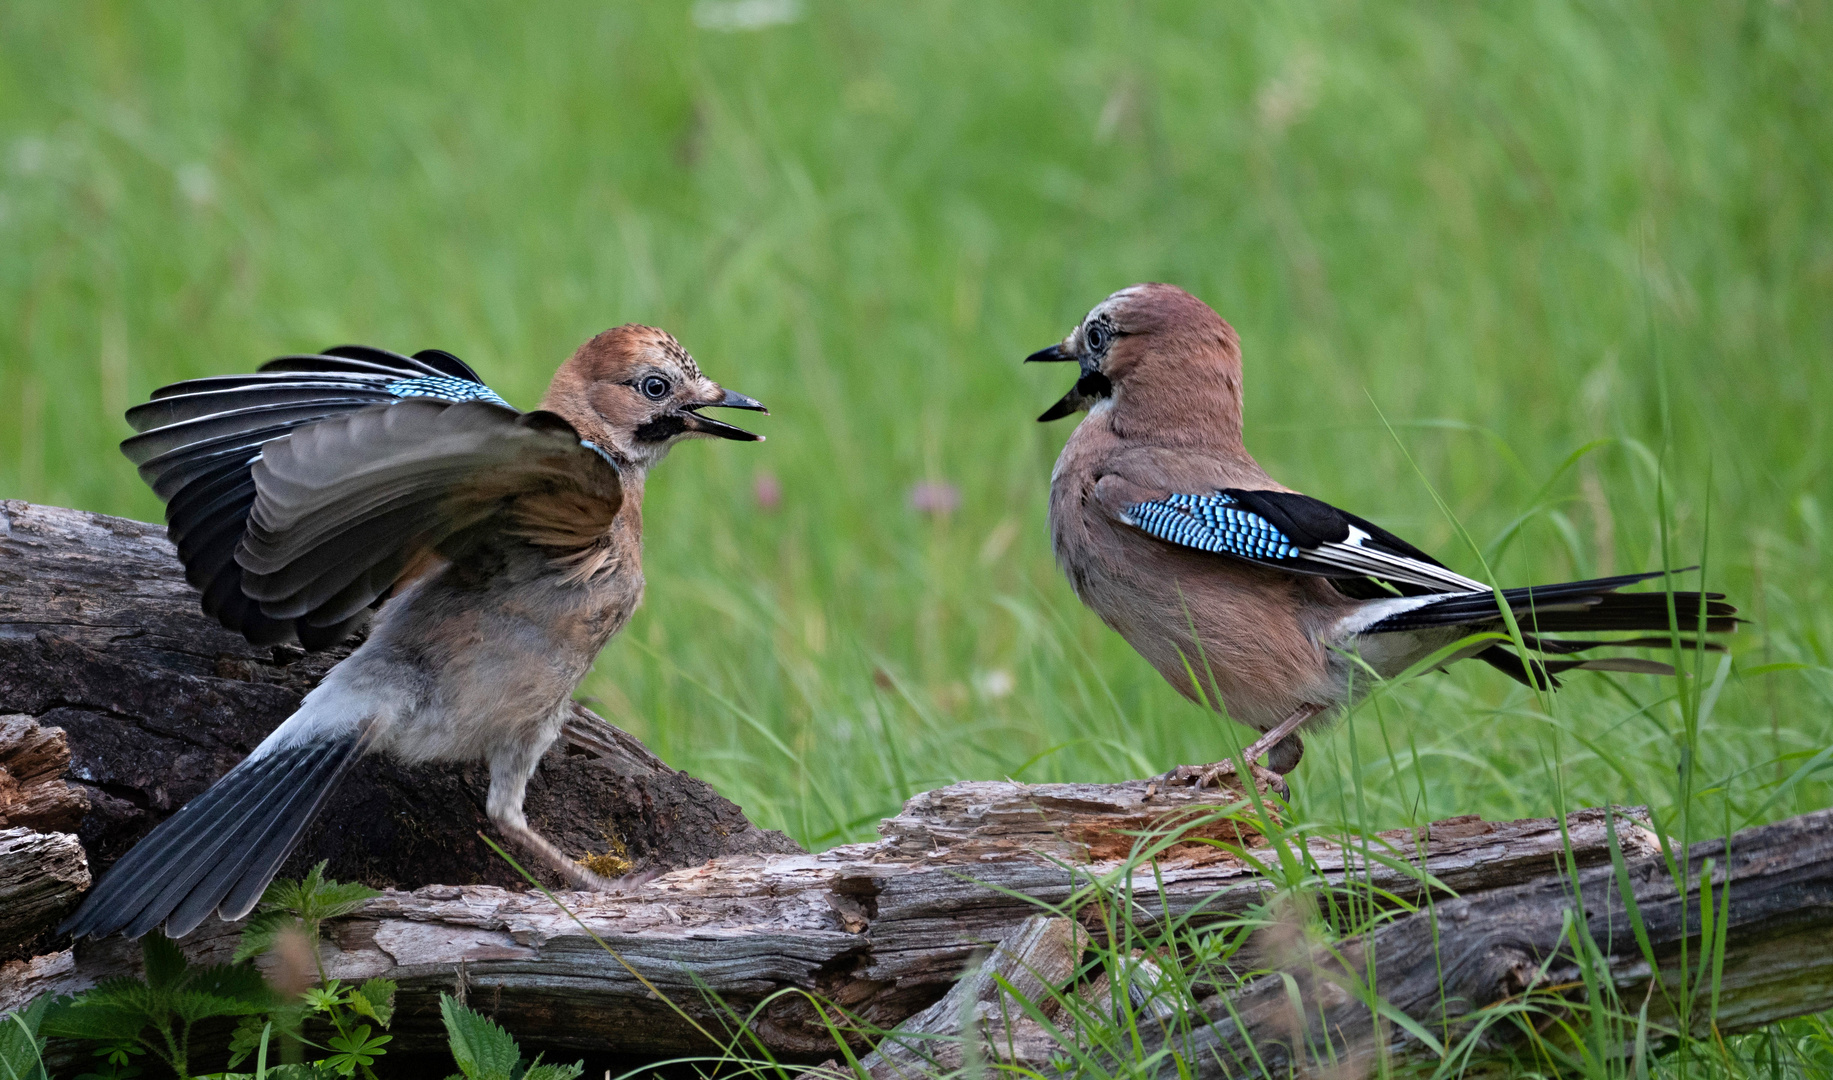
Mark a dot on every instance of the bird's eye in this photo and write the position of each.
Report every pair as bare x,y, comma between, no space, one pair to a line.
1097,337
655,387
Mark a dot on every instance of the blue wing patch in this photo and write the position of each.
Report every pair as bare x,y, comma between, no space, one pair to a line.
1212,523
446,388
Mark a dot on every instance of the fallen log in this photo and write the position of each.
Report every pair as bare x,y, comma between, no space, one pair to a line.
100,639
882,929
1444,965
143,701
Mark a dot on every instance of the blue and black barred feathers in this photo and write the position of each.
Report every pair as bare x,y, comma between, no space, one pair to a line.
445,388
1212,522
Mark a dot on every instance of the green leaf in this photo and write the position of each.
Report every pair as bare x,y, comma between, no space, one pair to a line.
555,1072
246,1039
20,1043
97,1021
375,999
324,999
316,899
337,899
482,1050
164,964
357,1050
232,990
261,933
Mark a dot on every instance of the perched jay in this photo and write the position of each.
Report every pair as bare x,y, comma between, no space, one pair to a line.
503,549
1245,594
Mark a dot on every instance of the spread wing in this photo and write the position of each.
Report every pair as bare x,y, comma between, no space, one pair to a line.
344,506
1298,533
199,442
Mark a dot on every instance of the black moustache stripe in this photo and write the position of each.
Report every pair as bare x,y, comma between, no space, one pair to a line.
1094,385
662,428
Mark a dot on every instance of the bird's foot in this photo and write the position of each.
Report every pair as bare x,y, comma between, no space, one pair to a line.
1202,776
583,874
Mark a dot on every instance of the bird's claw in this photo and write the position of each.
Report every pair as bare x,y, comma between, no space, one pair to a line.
1202,776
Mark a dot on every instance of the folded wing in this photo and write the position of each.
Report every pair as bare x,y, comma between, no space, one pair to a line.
1298,533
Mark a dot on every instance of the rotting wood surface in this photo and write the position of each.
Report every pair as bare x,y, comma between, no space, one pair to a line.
100,639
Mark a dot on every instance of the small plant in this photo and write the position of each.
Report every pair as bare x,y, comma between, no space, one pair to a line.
485,1051
154,1014
21,1047
290,922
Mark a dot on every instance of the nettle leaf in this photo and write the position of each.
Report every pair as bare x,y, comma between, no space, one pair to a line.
556,1071
190,1006
261,933
164,964
375,999
120,992
84,1018
482,1050
336,899
315,899
280,896
240,982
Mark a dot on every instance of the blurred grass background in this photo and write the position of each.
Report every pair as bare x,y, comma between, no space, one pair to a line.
1514,230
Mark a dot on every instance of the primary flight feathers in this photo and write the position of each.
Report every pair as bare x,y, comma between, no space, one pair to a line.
393,456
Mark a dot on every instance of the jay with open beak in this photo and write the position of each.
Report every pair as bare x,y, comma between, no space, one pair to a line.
1250,597
498,551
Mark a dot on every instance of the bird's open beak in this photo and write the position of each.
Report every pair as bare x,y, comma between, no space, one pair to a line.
706,425
1056,354
1072,402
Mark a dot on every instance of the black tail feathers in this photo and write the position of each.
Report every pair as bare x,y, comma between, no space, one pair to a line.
1574,607
219,852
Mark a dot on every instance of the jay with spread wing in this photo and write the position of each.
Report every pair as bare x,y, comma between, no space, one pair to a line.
1249,596
491,552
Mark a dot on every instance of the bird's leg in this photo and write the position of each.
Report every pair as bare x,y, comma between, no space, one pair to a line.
509,773
1205,775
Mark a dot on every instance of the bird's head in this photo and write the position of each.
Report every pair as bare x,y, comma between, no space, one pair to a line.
636,392
1155,353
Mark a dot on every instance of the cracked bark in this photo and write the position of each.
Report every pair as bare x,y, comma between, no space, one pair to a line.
100,637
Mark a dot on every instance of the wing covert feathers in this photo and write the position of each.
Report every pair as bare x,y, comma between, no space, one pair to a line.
343,506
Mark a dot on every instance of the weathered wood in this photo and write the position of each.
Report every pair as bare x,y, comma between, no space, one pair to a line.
43,871
33,792
1442,965
42,874
989,1002
101,638
883,929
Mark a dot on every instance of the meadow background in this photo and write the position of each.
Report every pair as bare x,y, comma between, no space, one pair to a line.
1462,244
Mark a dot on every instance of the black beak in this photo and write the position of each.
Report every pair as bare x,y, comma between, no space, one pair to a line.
1056,354
1068,405
1090,387
706,425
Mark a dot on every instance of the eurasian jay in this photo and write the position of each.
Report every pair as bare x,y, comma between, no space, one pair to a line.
1247,595
502,549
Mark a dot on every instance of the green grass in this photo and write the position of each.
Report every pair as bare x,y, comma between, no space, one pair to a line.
1515,231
